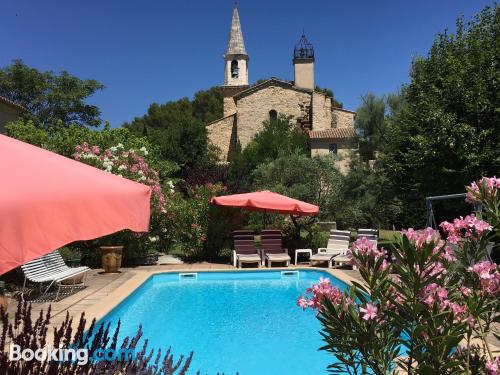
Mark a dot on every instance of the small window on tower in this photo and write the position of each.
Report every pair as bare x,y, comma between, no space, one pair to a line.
333,148
234,69
273,115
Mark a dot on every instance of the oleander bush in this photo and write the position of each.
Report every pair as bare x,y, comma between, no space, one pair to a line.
425,309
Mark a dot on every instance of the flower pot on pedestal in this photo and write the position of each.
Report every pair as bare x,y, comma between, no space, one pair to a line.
111,258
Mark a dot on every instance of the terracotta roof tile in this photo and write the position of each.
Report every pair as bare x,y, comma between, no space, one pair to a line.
333,133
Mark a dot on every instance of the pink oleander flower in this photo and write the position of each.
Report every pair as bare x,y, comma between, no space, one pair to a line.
465,291
385,265
421,238
487,185
493,366
370,312
320,292
485,270
470,321
469,227
364,246
448,254
488,275
303,302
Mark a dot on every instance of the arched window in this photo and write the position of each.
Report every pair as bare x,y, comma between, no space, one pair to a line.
234,69
273,115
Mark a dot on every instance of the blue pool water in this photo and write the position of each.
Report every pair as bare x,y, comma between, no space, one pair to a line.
246,322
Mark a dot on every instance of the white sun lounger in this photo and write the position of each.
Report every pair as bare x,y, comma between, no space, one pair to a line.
49,268
370,234
338,244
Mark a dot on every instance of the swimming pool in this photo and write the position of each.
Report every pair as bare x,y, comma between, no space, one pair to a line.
246,322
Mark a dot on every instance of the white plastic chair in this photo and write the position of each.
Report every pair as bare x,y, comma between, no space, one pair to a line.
49,268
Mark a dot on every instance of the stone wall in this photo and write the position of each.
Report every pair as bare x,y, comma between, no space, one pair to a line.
220,133
303,73
342,118
321,111
254,109
229,106
321,147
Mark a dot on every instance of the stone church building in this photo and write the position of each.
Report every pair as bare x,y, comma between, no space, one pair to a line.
330,129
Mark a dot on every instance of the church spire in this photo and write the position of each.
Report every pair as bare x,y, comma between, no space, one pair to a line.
236,57
235,45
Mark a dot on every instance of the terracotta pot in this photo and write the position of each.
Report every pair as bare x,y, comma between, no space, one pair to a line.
4,302
111,258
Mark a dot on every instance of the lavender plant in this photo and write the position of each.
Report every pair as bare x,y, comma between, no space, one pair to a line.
29,334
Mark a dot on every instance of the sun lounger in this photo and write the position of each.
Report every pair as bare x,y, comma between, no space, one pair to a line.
50,268
338,244
343,259
272,248
244,249
370,234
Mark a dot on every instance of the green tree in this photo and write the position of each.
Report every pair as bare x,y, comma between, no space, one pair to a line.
444,132
179,127
314,180
278,138
49,97
208,105
370,124
180,136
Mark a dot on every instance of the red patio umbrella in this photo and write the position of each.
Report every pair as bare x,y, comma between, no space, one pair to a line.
267,201
48,200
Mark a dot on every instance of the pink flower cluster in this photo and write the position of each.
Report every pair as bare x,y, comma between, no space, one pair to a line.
469,227
490,185
319,293
433,293
366,247
493,366
422,238
488,275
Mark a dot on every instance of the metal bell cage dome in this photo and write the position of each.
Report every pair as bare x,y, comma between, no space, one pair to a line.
303,49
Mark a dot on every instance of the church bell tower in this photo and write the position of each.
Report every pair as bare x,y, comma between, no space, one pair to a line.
303,64
235,65
236,57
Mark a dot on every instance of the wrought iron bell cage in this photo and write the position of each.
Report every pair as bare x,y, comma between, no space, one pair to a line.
303,49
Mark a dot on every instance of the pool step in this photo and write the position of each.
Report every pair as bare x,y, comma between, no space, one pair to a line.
289,274
188,276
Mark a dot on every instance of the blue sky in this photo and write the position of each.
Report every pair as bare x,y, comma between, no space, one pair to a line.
157,50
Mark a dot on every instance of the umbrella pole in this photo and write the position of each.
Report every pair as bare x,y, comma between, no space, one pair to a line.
264,218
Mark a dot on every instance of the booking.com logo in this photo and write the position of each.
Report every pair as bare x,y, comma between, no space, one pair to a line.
80,356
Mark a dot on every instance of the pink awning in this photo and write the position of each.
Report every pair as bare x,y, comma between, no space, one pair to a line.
267,201
48,200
